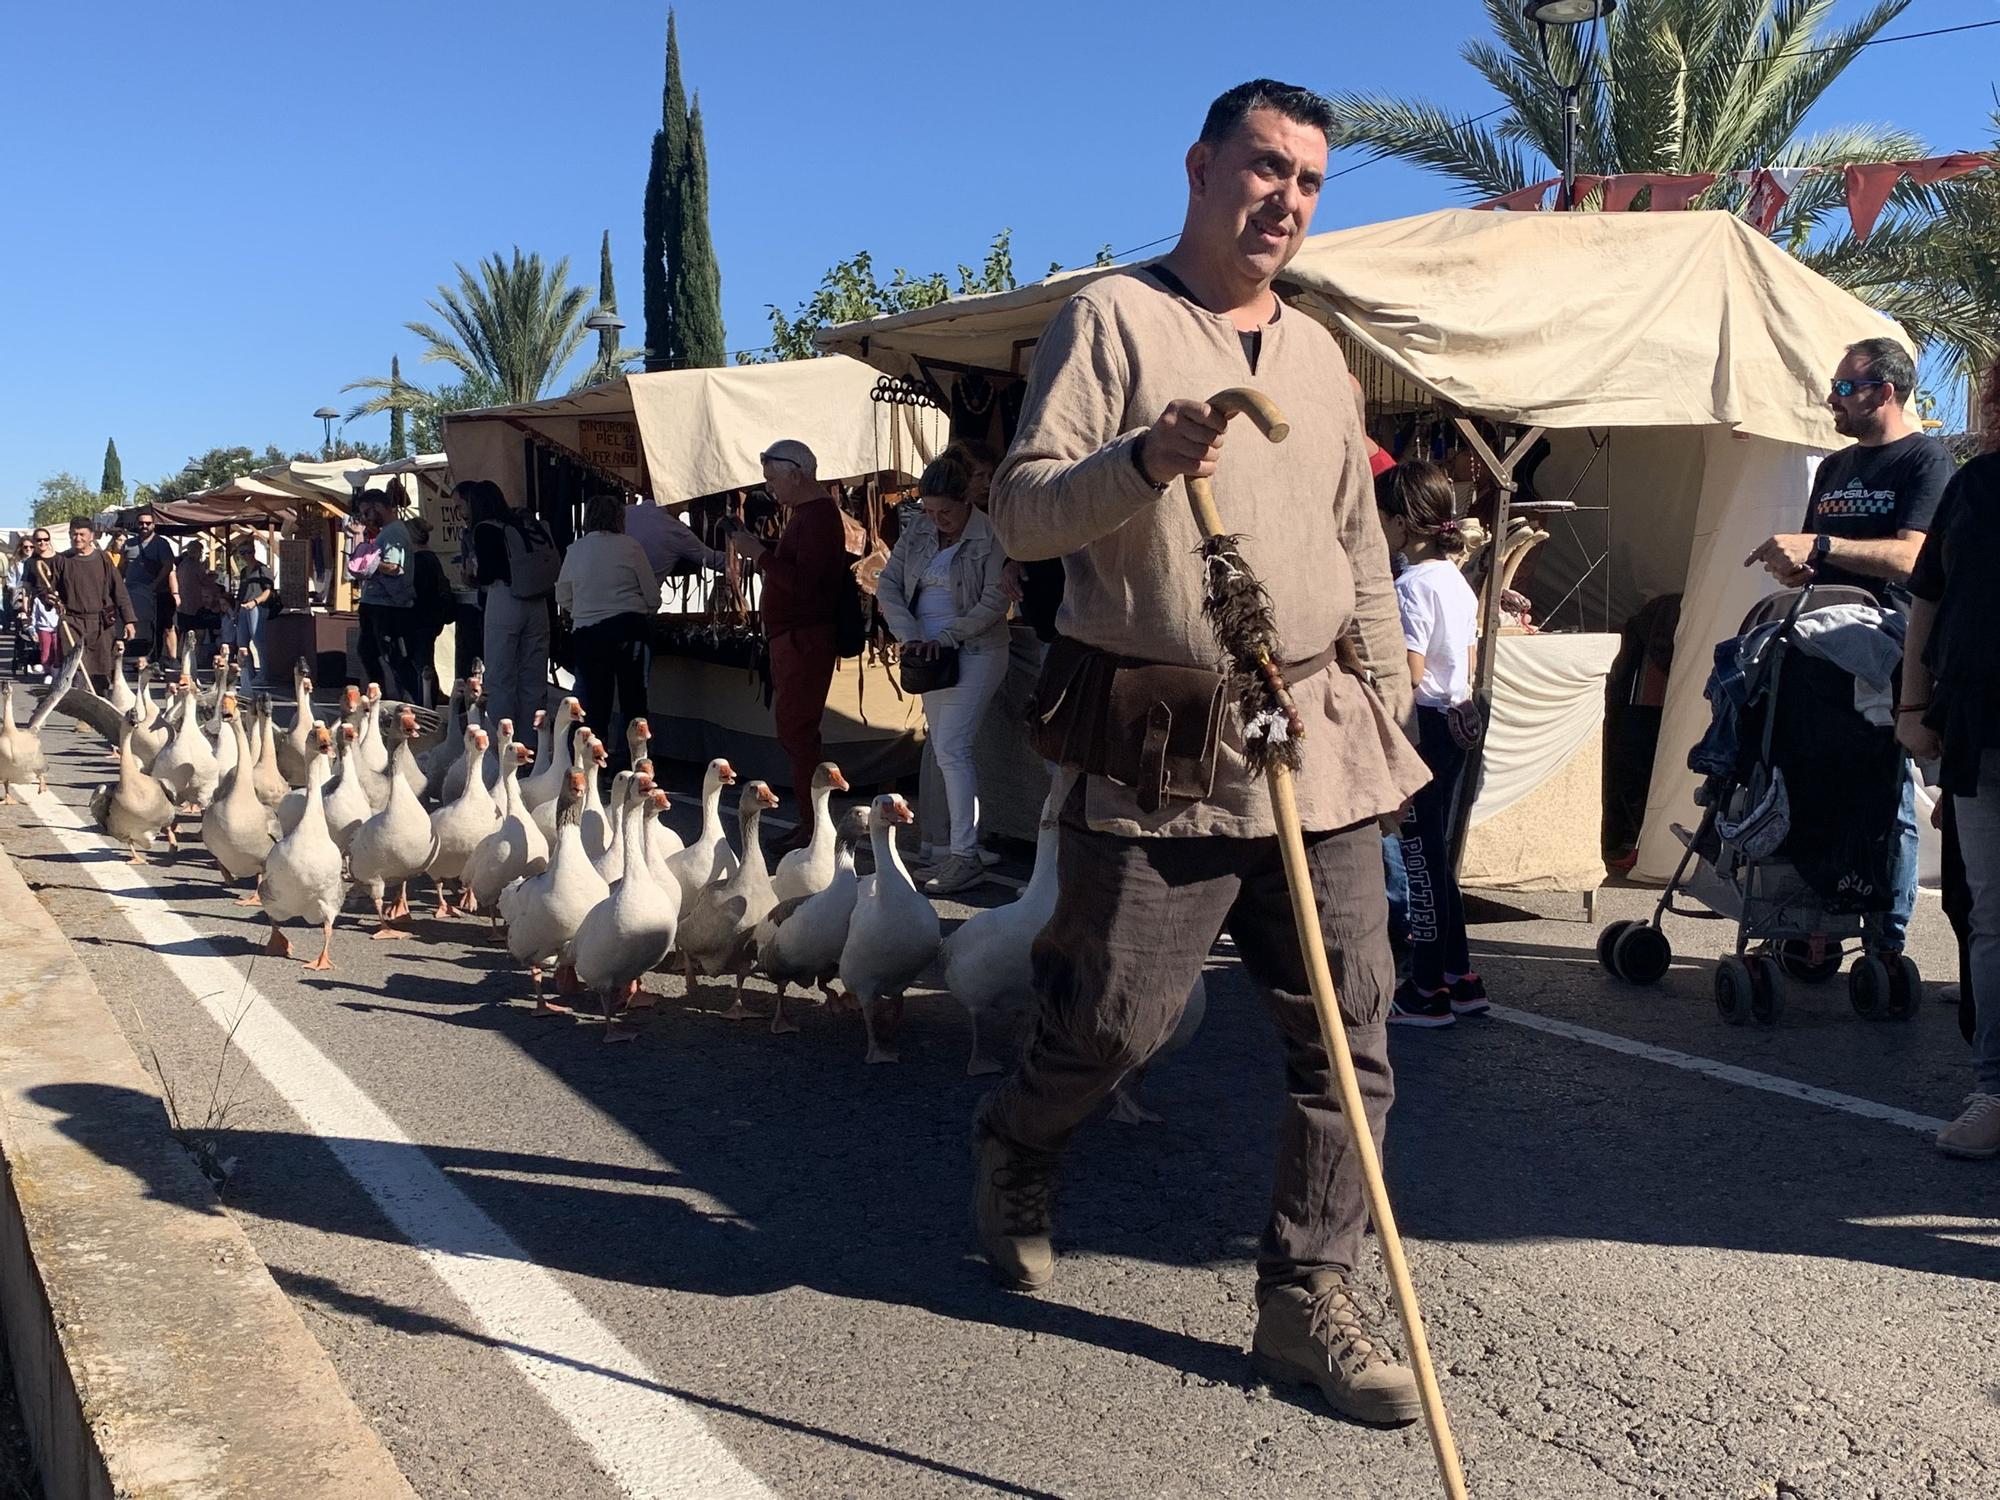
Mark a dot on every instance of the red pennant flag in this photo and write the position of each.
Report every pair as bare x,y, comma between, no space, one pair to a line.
1770,190
1620,191
1521,200
1671,194
1944,168
1868,188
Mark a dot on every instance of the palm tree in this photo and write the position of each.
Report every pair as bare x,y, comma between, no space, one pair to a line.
1677,86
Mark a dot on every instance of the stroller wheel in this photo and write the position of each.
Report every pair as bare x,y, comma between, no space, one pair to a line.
1641,954
1733,991
1795,958
1767,995
1868,988
1906,987
1607,940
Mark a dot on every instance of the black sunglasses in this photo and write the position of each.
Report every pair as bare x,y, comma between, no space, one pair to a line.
40,536
1849,387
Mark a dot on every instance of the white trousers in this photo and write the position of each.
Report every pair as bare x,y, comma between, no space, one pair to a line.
954,715
516,652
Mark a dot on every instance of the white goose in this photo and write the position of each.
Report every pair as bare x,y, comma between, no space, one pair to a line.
709,858
187,767
514,849
719,927
800,941
438,762
662,843
804,871
368,742
459,825
134,809
237,828
599,829
265,776
632,929
295,750
346,802
543,912
21,757
893,935
553,773
987,966
121,696
302,880
155,723
395,845
610,862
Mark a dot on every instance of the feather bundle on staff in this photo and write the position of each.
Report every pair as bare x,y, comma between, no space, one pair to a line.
1239,611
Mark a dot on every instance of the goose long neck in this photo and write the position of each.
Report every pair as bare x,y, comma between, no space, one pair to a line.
632,837
887,855
711,810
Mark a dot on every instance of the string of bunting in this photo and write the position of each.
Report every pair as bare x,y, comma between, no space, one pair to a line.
1868,184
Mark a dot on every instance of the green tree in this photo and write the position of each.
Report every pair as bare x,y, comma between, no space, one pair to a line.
697,280
61,496
112,485
662,208
1675,86
398,440
507,331
850,292
612,357
216,466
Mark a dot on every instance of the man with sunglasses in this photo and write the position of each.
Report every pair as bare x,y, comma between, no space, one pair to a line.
150,579
1871,506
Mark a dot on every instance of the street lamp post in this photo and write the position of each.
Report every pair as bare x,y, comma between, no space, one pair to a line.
1571,13
607,325
327,416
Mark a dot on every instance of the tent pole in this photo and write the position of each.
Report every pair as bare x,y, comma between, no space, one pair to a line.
1502,470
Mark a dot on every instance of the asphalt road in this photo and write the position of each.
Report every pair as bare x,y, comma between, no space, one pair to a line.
719,1247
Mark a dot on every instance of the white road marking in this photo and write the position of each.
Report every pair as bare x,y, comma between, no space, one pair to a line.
1748,1078
651,1444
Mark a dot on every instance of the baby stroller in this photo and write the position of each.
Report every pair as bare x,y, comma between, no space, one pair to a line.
1798,827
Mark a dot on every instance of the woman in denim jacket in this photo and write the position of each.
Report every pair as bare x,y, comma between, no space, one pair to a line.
942,587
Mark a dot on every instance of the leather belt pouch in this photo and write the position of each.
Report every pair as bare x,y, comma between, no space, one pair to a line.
1147,726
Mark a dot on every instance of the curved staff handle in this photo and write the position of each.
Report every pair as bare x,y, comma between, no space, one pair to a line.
1240,400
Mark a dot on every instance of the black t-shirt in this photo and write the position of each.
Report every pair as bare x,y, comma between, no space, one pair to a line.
147,566
1959,572
252,581
1869,494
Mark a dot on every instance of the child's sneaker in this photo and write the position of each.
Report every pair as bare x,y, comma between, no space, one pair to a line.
1412,1007
1468,996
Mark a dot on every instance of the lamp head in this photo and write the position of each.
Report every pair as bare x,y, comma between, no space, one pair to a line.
1569,12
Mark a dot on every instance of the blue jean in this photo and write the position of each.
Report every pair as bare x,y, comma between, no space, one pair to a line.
1398,881
1887,930
1979,838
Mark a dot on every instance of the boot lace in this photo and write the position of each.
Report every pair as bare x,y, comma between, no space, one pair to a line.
1027,1194
1335,1322
1980,1109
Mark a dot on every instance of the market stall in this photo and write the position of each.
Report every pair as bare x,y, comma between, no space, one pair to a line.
1674,363
689,440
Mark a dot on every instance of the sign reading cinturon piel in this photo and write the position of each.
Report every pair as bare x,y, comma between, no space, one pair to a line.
611,445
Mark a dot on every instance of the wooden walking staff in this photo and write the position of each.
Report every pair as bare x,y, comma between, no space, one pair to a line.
1240,611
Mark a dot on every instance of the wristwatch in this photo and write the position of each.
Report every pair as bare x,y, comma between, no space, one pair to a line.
1822,548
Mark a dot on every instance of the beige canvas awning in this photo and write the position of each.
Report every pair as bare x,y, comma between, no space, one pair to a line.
1555,320
681,434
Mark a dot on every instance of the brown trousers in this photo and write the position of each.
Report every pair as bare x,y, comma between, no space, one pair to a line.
1133,925
802,662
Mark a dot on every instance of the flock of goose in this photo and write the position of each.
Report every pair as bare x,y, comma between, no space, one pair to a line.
589,889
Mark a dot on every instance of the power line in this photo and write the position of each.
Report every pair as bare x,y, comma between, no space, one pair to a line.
1710,67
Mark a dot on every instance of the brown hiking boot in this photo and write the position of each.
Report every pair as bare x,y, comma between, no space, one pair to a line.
1315,1334
1013,1204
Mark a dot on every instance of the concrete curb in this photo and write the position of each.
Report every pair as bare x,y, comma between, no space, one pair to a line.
153,1353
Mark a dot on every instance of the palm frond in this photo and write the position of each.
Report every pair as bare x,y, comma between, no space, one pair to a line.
1483,164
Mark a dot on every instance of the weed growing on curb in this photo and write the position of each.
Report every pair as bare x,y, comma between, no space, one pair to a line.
197,1134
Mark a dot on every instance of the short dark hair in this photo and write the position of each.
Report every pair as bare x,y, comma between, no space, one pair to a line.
604,512
85,522
946,477
1889,362
145,511
1302,106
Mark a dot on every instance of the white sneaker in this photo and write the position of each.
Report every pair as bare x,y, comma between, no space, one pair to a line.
955,874
1975,1134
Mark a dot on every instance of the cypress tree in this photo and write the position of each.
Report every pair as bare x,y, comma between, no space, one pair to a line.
112,485
697,283
398,444
607,299
663,215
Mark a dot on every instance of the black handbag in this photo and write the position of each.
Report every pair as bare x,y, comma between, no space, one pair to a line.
928,674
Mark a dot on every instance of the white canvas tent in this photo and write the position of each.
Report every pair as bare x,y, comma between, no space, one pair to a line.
681,434
1690,333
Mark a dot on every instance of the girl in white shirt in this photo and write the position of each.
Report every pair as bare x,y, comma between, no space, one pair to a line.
1440,634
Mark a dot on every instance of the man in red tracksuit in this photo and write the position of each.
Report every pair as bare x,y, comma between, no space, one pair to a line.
802,584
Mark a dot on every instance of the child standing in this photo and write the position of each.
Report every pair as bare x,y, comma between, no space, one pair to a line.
1440,634
43,621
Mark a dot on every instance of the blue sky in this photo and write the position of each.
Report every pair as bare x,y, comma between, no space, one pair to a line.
216,215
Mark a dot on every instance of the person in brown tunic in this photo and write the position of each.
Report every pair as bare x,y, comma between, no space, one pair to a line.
85,586
1151,872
